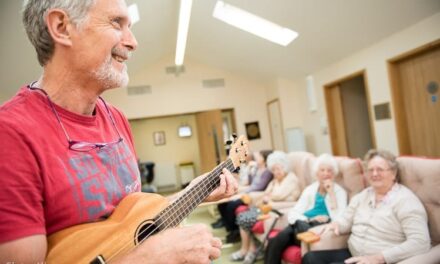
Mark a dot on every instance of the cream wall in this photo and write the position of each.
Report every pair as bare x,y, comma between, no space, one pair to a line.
184,94
176,150
372,59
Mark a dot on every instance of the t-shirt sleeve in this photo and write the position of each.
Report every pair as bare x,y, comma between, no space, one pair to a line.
21,199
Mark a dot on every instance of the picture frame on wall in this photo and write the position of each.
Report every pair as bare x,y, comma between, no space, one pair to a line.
159,138
252,130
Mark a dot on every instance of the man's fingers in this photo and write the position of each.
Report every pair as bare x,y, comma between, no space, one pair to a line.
231,183
214,253
216,242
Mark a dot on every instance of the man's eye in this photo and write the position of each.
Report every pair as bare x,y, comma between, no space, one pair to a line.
116,23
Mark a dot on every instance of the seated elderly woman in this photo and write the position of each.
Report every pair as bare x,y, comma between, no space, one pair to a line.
259,180
284,187
319,202
388,223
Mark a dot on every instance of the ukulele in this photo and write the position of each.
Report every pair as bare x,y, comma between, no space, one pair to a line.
137,217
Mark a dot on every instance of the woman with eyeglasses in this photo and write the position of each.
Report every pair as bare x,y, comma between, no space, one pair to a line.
319,202
387,221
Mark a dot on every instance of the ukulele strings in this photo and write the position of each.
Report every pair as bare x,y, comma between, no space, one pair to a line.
208,188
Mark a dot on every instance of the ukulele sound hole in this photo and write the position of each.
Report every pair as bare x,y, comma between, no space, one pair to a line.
145,230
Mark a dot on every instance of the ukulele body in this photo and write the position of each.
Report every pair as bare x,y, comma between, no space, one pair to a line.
99,242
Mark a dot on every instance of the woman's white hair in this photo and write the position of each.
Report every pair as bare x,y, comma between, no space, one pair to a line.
325,159
278,157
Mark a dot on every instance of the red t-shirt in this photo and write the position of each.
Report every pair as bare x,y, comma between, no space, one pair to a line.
45,186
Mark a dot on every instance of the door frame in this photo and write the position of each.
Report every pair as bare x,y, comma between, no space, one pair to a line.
330,104
397,96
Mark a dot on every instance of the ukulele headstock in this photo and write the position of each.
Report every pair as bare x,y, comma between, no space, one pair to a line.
238,150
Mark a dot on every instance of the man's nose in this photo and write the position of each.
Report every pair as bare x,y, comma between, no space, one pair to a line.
129,40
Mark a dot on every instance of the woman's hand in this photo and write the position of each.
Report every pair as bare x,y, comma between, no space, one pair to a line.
333,226
320,218
370,259
328,186
266,199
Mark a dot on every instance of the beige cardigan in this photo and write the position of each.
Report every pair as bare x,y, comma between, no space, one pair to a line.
286,190
397,227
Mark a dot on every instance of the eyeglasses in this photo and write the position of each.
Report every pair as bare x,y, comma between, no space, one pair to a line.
378,170
76,145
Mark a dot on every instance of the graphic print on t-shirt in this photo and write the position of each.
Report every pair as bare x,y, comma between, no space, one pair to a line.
101,178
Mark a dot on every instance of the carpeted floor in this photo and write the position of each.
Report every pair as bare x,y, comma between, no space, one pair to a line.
203,215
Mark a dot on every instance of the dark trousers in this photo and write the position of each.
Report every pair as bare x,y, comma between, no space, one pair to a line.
227,213
326,256
285,238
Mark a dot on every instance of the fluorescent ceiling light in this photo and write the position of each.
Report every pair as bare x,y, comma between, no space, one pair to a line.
253,24
182,32
133,13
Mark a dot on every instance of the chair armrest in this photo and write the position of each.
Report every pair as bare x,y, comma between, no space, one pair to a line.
327,241
256,198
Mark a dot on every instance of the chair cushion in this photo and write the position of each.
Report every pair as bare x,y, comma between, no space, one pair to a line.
351,175
292,254
241,209
422,176
258,227
301,163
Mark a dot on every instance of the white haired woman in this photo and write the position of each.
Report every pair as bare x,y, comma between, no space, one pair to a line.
284,187
319,202
388,223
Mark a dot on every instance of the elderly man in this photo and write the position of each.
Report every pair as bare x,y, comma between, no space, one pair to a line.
66,156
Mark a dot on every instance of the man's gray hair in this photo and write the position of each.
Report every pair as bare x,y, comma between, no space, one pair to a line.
34,20
325,159
280,158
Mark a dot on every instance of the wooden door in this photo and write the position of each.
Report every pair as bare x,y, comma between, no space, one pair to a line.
415,85
276,126
210,137
336,120
349,117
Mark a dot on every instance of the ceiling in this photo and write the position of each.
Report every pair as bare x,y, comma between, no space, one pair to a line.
328,31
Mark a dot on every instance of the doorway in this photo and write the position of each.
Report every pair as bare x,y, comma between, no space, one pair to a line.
415,81
349,117
276,126
210,138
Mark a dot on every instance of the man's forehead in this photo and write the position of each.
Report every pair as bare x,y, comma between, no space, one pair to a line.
110,8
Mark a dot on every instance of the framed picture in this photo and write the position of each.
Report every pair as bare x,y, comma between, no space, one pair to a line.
252,130
159,138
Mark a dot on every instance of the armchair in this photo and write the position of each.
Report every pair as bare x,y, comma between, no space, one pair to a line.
421,175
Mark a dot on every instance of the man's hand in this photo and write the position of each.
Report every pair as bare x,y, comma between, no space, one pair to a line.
228,187
333,226
370,259
190,244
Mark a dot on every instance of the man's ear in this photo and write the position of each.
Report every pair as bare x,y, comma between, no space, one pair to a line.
58,25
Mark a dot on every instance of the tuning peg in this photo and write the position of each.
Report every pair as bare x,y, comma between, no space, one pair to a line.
234,135
228,142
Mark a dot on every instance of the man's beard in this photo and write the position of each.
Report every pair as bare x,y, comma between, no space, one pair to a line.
109,76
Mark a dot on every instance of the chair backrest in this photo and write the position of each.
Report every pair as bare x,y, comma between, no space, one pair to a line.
351,175
422,176
301,163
